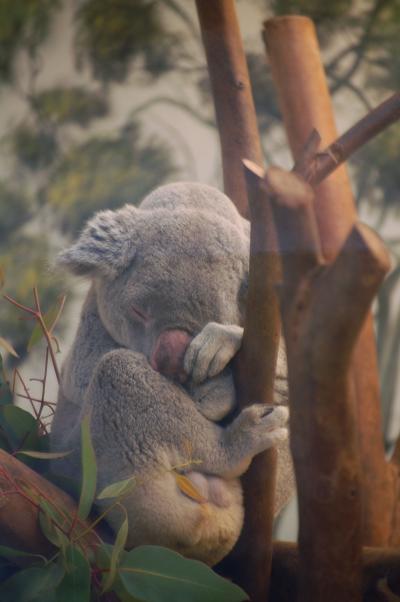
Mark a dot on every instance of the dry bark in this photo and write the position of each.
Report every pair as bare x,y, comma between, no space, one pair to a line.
304,99
380,571
323,309
233,100
21,489
249,564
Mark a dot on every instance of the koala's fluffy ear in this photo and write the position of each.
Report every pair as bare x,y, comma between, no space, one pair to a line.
106,245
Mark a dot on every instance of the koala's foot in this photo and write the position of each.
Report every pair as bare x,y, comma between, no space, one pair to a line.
211,350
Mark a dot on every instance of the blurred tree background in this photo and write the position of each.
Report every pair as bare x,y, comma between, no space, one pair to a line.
67,153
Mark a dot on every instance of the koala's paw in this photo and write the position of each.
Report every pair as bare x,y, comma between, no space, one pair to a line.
211,350
215,398
262,426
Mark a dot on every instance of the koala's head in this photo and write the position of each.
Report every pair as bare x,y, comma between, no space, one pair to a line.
176,262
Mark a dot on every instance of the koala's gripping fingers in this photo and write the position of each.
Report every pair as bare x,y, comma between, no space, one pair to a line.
268,417
211,350
259,427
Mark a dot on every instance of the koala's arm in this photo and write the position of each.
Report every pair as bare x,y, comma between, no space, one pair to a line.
211,350
139,418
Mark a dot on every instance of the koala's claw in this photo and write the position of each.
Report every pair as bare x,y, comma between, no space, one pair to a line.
211,350
269,416
262,426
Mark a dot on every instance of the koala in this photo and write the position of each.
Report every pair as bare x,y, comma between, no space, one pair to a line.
151,366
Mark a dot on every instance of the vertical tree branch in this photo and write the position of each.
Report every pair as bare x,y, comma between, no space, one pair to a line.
250,562
230,84
304,99
323,309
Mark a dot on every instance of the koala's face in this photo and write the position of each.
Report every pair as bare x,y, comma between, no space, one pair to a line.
165,268
188,269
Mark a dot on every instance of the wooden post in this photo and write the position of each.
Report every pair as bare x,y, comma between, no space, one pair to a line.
305,103
323,308
249,564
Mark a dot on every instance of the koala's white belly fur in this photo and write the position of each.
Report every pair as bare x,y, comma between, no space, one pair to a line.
159,513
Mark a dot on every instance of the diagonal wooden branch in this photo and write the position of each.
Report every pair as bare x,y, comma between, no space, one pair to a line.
21,489
323,310
324,163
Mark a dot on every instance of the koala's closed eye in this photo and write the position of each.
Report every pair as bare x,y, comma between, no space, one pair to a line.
140,314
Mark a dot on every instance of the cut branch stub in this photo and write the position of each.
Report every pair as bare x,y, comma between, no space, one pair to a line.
254,377
297,228
258,353
376,121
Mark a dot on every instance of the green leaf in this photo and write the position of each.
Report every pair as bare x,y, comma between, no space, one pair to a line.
31,584
102,555
121,593
43,455
50,520
118,548
8,347
117,489
6,396
50,596
157,574
49,318
89,471
75,586
20,427
11,553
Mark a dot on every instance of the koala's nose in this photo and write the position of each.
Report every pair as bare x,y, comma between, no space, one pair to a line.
168,353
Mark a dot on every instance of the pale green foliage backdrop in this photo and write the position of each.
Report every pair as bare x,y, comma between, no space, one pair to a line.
62,166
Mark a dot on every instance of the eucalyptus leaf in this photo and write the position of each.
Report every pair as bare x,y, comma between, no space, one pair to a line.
103,555
116,489
6,396
75,586
8,347
20,426
118,547
39,455
31,584
89,470
157,574
50,522
120,591
50,596
11,553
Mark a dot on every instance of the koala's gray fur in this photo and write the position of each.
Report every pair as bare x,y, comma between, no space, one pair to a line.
172,269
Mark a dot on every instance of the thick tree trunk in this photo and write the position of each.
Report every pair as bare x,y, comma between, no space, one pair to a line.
305,103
